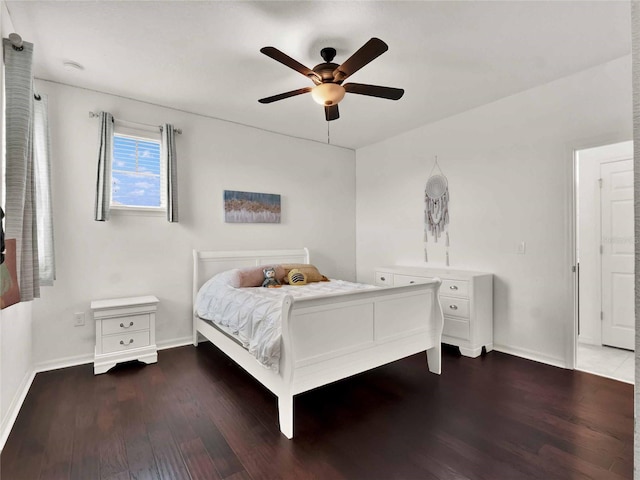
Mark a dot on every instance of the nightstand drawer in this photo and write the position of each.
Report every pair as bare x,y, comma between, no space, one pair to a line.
384,279
130,323
401,280
455,307
125,341
457,328
458,288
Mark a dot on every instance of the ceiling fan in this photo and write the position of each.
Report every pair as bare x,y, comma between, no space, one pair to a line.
328,77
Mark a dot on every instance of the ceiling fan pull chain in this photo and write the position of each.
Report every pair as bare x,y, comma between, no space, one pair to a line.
328,136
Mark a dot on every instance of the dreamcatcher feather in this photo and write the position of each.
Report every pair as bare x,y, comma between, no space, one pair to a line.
436,211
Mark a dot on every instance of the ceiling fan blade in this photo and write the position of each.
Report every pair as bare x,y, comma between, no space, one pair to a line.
285,59
282,96
331,113
369,51
374,90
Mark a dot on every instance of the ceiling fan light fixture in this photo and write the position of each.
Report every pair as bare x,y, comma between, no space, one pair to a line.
328,94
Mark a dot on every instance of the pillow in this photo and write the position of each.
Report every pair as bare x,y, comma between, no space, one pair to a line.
228,277
296,277
311,272
254,276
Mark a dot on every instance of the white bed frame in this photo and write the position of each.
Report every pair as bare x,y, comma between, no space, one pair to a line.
328,338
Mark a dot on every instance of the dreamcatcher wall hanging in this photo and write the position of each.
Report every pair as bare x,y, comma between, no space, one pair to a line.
436,209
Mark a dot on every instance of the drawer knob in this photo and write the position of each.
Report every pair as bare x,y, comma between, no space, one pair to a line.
412,281
130,342
382,278
453,287
453,307
127,326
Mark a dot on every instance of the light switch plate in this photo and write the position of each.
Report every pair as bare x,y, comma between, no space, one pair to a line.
522,247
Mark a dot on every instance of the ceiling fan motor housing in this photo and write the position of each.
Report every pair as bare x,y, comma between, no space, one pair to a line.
325,70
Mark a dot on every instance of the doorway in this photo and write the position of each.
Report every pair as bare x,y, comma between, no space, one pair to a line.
605,247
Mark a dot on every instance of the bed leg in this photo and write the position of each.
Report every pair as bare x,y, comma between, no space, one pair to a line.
285,414
195,338
434,359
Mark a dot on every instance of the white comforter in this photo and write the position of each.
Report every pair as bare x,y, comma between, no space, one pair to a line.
253,315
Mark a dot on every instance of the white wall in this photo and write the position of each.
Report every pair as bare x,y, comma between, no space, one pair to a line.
136,255
589,235
16,362
16,365
509,165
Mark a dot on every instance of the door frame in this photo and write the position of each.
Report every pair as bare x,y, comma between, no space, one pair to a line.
572,350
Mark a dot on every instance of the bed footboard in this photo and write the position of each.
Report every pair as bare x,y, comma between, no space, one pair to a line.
333,337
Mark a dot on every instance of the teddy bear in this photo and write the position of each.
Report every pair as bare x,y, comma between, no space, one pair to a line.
270,280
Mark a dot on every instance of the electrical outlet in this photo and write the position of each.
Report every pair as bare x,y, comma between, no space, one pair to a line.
78,318
522,247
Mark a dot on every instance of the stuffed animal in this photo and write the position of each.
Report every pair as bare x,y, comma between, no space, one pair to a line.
270,278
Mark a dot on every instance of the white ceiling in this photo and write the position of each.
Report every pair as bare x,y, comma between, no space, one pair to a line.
203,56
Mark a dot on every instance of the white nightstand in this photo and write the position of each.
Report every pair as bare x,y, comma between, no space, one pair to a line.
466,298
125,330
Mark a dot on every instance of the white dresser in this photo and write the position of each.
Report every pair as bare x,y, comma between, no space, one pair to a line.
466,298
125,330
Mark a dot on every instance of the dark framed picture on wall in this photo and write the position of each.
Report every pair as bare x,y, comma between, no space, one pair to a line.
251,207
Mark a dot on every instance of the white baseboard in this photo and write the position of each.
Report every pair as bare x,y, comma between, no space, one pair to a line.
177,342
531,355
63,363
84,359
16,403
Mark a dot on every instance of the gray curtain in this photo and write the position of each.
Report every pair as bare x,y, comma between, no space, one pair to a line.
42,175
170,161
635,55
20,189
103,183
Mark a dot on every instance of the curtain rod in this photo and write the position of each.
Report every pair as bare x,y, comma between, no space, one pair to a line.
97,115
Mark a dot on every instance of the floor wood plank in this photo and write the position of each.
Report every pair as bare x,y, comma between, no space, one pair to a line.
56,462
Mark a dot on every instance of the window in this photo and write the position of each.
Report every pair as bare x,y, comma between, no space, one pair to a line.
136,173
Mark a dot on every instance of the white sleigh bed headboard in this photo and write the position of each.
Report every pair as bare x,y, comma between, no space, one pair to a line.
208,263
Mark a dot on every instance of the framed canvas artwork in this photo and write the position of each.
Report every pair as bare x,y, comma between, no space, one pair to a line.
251,207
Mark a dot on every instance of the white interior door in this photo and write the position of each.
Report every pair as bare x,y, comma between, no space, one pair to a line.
617,240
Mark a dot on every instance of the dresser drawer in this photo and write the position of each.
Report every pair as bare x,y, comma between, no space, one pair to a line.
455,327
402,280
131,323
455,307
458,288
384,279
125,341
466,298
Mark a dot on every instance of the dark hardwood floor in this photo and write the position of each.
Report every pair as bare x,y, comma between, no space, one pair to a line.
196,415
